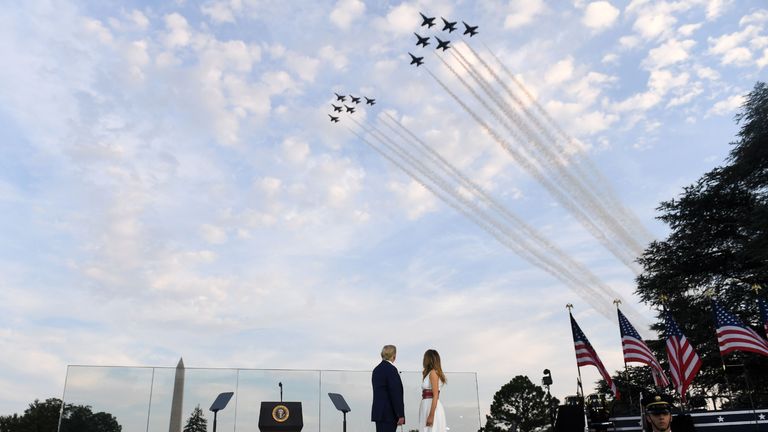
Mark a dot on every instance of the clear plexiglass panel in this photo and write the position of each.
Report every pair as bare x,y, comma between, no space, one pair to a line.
154,399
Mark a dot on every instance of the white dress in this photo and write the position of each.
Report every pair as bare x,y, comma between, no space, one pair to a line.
438,425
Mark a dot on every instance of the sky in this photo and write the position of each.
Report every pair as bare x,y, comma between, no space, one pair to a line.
171,185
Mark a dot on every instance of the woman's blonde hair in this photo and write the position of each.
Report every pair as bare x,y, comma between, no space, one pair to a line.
432,363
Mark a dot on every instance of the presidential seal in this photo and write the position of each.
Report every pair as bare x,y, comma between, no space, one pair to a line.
280,413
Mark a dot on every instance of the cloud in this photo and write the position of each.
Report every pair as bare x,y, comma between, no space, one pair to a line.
522,13
139,19
727,106
732,47
96,27
346,11
560,72
178,32
670,52
222,11
600,15
213,234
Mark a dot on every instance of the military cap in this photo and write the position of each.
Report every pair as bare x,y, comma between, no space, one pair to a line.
657,404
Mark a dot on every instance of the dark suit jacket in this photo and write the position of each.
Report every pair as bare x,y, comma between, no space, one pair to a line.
387,393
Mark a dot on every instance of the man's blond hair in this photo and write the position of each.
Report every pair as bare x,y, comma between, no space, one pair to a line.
389,352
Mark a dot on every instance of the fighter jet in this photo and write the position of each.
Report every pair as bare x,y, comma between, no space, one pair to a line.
442,44
333,119
423,41
418,61
356,100
349,108
448,25
470,30
429,22
336,108
339,97
370,101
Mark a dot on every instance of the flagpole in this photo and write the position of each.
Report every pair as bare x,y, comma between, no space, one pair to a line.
617,302
580,388
710,293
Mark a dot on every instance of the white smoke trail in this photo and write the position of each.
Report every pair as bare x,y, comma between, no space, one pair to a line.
545,156
579,161
532,168
509,230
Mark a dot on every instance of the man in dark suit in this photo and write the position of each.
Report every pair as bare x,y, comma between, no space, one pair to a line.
388,410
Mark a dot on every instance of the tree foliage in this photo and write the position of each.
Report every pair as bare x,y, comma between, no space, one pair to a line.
519,405
44,417
718,245
196,421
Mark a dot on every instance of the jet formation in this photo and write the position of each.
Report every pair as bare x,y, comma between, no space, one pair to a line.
448,26
344,108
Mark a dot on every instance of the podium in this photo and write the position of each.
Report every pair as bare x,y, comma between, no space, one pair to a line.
280,417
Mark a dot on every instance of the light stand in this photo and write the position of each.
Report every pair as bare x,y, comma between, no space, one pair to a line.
219,404
547,381
341,405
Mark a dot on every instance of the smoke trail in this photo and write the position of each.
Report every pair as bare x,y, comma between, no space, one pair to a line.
532,169
581,282
590,173
546,156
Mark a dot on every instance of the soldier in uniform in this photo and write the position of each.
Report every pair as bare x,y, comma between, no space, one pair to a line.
658,413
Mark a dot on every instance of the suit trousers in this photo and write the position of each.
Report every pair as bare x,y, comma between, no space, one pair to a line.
386,426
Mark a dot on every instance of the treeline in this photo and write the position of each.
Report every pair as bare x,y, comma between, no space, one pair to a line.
44,417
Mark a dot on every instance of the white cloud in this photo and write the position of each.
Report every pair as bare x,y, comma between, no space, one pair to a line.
213,234
629,42
295,150
522,13
757,17
331,55
560,71
96,27
727,106
610,58
139,19
414,198
715,8
178,34
402,19
688,29
707,73
346,11
303,66
670,52
222,11
600,15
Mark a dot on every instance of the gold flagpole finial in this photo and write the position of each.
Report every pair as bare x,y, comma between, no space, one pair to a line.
756,288
617,302
709,292
569,307
663,299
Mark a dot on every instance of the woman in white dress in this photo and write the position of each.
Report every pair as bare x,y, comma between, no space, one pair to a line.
431,412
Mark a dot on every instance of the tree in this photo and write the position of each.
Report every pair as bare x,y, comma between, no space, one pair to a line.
518,405
718,244
196,421
44,417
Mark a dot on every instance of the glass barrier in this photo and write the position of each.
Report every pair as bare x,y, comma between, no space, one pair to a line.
156,399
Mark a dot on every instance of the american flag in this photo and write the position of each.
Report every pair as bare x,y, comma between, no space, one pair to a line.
684,363
586,355
733,335
763,303
635,350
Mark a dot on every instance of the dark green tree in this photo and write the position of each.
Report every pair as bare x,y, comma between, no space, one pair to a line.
44,417
196,421
519,405
718,245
